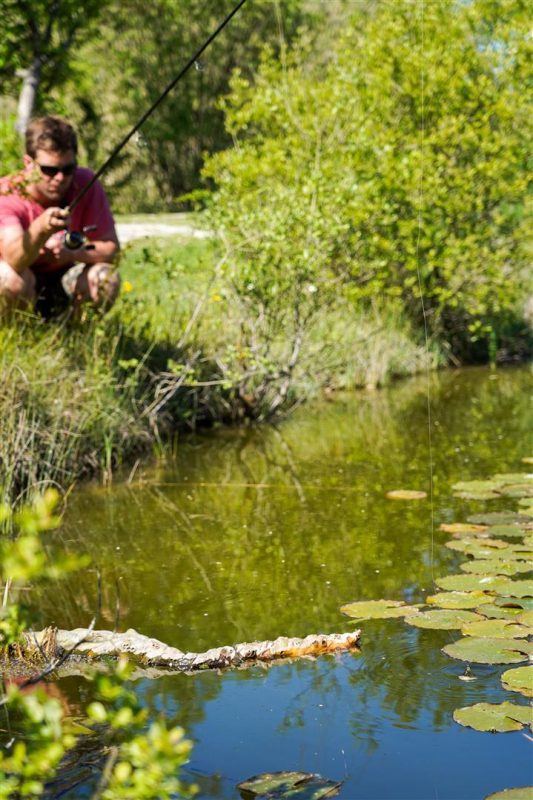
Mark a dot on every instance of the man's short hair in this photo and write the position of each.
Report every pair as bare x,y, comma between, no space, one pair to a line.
50,133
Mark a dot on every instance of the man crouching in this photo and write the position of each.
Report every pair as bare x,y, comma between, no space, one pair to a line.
37,270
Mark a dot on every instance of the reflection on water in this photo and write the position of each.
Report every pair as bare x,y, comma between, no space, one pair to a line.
257,533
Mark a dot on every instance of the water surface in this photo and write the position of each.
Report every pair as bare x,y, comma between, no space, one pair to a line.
260,532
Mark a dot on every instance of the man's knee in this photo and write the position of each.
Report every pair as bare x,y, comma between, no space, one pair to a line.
16,289
99,284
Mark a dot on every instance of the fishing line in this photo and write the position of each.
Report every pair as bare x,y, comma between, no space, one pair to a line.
193,61
420,289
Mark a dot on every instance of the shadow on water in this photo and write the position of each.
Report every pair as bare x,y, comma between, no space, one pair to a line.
259,532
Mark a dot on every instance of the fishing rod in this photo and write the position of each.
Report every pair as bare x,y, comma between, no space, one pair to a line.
75,239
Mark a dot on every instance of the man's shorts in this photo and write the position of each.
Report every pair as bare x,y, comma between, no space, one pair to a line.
55,290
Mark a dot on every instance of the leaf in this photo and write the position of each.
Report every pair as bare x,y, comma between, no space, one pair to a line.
496,566
488,651
378,609
525,603
458,599
444,619
406,494
505,531
462,527
520,793
505,478
467,583
519,679
518,490
501,717
496,612
498,518
496,629
475,486
515,588
526,618
294,785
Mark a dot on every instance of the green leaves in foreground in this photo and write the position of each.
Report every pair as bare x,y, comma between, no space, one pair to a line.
378,609
496,629
293,785
502,717
489,651
519,680
458,599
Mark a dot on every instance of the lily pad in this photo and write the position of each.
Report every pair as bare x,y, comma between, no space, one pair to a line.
378,609
293,785
526,618
518,490
519,793
476,486
519,679
406,494
496,629
501,717
496,566
462,527
497,518
455,600
468,583
478,495
527,460
526,503
525,603
443,619
515,588
512,477
488,651
480,548
492,611
506,531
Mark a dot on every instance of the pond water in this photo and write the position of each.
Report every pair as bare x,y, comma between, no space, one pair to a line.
259,532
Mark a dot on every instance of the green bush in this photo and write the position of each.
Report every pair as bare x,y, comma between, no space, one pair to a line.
398,169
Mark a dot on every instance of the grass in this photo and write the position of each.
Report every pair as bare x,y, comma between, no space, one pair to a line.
79,398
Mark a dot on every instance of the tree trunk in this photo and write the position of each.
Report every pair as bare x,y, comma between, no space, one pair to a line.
28,93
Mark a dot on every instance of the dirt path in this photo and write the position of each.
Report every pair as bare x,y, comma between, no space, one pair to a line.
128,231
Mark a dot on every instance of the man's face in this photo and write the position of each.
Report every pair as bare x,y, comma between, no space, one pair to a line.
52,187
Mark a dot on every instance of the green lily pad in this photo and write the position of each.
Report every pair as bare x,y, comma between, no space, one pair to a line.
520,793
526,618
518,490
515,588
527,460
455,600
525,603
378,609
475,486
497,518
519,679
478,495
293,785
501,717
496,566
496,629
460,528
468,583
496,612
488,651
512,477
406,494
443,619
526,503
506,531
480,548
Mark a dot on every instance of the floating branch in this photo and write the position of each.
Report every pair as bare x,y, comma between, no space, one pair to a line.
93,645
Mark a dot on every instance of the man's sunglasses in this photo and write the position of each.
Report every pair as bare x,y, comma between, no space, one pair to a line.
51,172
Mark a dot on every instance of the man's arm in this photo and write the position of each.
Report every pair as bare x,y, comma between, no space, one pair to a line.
21,248
99,251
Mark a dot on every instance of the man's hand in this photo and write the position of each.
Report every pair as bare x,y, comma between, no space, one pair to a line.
53,220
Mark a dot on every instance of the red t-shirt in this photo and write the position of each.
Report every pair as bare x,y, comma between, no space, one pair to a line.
16,208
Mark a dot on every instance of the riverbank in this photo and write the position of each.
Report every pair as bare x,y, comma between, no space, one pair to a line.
77,399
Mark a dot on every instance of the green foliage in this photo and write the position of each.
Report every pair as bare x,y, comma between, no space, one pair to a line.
400,168
140,764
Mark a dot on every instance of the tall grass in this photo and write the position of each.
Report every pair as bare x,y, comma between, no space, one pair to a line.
79,398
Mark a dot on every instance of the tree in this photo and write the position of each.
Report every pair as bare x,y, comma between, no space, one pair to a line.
399,169
37,44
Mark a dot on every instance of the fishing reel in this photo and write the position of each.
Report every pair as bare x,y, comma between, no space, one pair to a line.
74,240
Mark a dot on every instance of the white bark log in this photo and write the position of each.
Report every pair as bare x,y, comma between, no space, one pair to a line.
92,645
